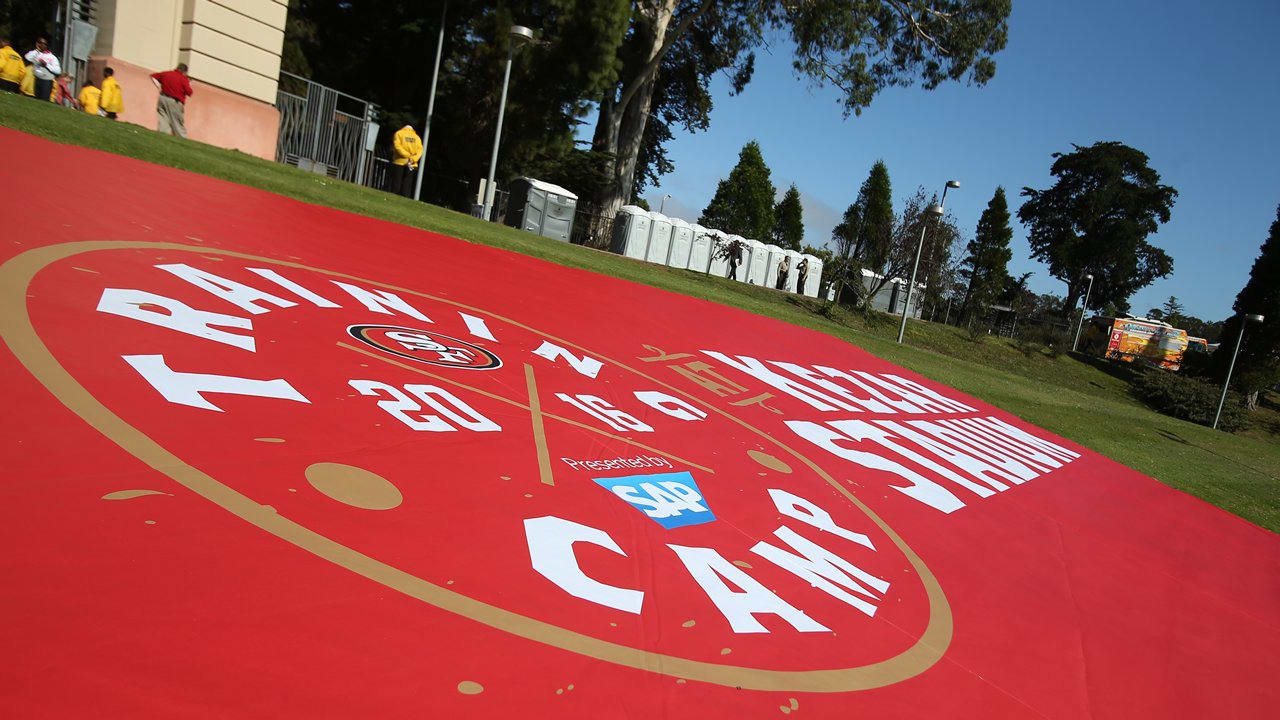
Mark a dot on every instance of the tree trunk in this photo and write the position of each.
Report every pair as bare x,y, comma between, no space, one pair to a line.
1251,400
1073,294
620,129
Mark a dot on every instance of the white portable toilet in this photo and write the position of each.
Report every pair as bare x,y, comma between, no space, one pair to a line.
659,238
631,232
759,262
814,276
771,272
681,243
700,249
793,273
744,260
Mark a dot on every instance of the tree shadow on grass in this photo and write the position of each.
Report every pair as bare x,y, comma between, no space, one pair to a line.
1127,372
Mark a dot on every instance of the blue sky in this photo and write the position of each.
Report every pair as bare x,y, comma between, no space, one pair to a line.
1192,84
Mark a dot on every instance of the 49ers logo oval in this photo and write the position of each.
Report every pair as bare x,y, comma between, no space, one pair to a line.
425,346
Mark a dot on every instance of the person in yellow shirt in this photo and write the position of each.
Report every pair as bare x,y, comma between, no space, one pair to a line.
407,148
112,101
90,98
12,68
28,86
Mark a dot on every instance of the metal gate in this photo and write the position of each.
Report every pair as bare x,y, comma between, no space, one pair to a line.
324,130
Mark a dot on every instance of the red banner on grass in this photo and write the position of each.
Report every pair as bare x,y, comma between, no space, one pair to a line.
270,459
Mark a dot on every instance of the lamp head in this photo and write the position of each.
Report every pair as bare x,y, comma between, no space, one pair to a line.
1253,318
1089,276
953,184
935,210
521,34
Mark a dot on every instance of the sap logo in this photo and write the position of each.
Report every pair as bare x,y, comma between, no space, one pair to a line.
671,499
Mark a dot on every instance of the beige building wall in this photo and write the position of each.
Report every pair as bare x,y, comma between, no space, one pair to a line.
231,47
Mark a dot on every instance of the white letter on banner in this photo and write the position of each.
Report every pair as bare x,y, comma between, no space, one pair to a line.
180,317
921,488
756,369
381,301
551,542
708,567
806,512
186,388
823,569
293,287
237,294
585,365
669,405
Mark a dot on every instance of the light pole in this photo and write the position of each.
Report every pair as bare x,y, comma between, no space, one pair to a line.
1083,309
519,35
662,205
1227,383
935,211
431,105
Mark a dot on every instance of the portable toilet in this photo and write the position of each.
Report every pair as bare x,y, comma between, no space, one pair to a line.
700,249
681,243
812,278
744,260
757,263
719,265
542,208
771,270
659,238
631,232
793,272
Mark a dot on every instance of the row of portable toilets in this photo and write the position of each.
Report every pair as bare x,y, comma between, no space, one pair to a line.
656,238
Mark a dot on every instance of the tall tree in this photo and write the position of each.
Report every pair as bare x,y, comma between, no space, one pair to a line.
986,263
788,223
864,236
904,237
1096,219
743,203
857,46
1258,365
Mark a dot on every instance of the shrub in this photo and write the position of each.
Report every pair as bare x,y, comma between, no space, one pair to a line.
1187,398
1044,337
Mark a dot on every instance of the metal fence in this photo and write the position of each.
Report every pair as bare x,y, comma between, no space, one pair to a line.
325,131
591,227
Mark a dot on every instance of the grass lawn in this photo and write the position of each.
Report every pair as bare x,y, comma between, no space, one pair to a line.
1081,399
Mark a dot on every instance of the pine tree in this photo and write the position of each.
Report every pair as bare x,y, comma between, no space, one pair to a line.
875,232
788,227
1258,365
743,203
985,267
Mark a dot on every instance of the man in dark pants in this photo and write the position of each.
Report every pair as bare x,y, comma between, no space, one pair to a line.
407,150
45,68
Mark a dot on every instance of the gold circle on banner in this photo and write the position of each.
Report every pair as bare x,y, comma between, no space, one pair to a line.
353,486
22,339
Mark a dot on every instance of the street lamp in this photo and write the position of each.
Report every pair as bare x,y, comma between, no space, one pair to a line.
519,35
1083,309
662,205
431,105
1227,383
935,211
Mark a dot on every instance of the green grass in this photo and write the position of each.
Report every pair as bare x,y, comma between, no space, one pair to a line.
1084,400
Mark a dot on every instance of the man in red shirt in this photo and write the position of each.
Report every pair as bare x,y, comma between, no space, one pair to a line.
171,107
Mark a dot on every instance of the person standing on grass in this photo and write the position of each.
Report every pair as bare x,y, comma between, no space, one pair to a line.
45,67
175,88
90,98
112,100
12,67
408,149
